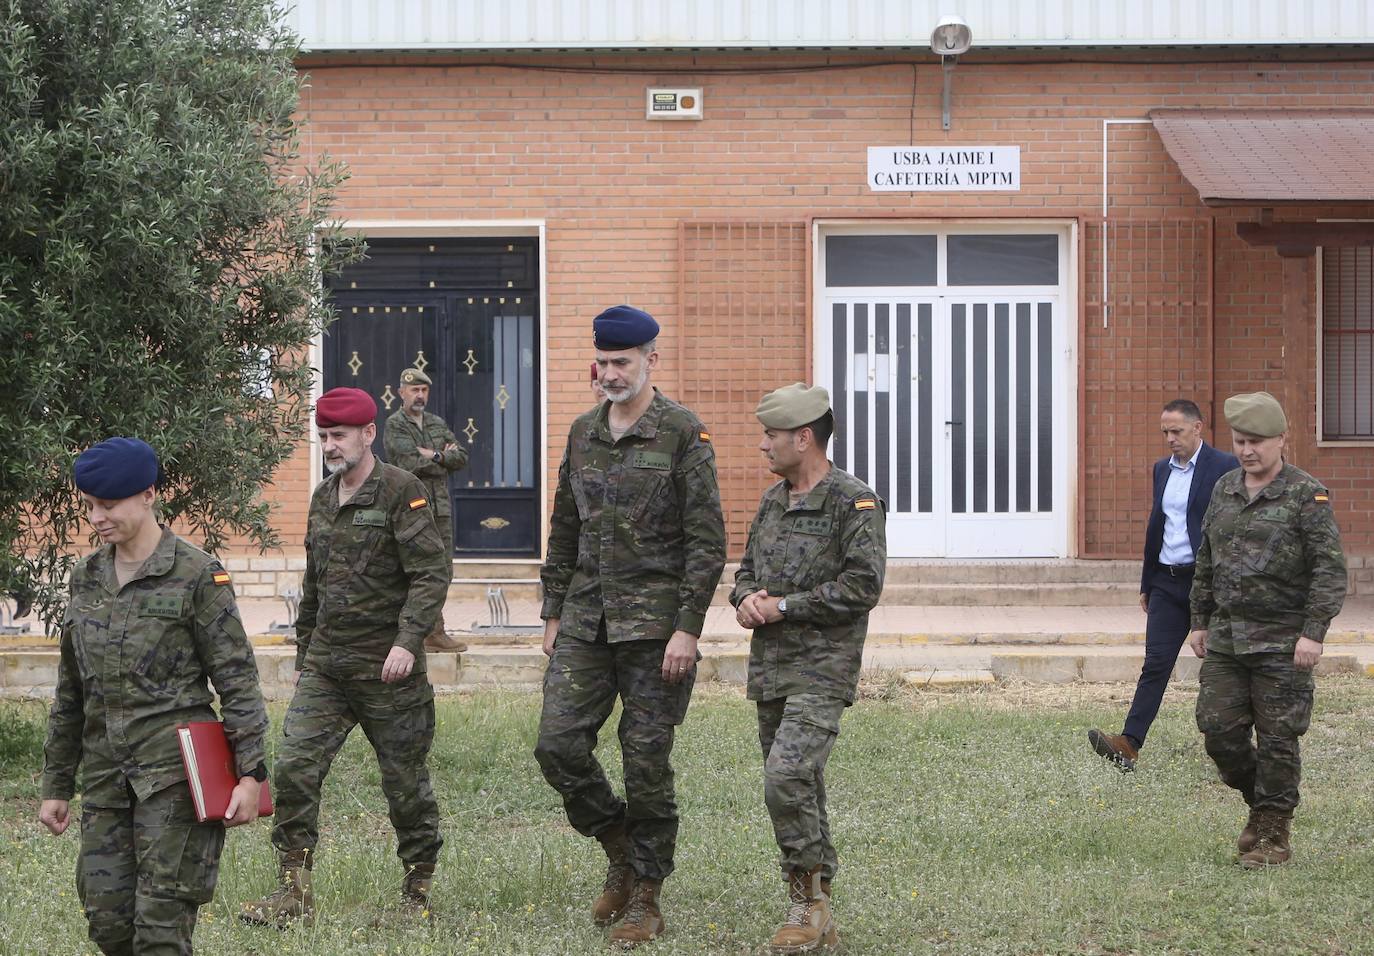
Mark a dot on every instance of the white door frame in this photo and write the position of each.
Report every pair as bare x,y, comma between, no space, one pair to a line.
1063,541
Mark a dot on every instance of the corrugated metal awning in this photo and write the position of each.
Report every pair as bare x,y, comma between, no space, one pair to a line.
1266,157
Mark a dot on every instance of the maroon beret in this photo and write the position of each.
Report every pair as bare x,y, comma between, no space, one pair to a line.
345,406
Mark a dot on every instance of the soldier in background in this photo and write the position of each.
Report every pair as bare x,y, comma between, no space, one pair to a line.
1270,577
636,548
422,443
812,569
375,579
150,619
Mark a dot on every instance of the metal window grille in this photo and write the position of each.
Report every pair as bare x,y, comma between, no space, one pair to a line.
1153,345
742,286
1347,342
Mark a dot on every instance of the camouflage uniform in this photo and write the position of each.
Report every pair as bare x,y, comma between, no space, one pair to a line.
375,577
401,437
1270,570
134,663
827,556
636,547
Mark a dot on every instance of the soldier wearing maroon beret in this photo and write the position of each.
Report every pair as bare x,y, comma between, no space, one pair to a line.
376,576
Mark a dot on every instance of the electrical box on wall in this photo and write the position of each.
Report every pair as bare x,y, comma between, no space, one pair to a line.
683,103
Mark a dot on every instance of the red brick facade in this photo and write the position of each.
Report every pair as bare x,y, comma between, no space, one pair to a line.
708,225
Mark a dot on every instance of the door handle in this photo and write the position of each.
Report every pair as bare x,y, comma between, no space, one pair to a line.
953,423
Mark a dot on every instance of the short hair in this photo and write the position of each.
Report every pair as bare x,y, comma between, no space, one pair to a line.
1186,408
822,428
648,347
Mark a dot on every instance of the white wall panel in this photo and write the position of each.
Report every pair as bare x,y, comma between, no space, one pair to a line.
661,24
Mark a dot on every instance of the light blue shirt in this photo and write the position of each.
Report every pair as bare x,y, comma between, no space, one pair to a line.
1178,548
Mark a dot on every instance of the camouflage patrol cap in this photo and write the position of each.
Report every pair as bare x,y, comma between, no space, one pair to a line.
1256,413
413,376
793,406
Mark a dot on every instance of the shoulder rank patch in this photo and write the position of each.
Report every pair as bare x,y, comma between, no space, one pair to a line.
220,577
1321,497
417,503
865,504
704,436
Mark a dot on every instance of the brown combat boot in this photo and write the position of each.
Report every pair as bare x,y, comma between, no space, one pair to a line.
1271,849
415,890
1250,835
643,921
809,924
291,901
438,639
620,877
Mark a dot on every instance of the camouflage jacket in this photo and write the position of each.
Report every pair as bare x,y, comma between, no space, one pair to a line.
134,664
401,437
636,527
1270,569
827,557
375,575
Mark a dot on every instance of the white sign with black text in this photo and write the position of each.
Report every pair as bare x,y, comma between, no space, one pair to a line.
944,168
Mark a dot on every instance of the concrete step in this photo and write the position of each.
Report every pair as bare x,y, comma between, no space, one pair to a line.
930,571
1052,594
514,589
1045,668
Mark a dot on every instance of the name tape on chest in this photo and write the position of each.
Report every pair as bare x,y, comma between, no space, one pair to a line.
811,524
417,503
655,460
162,605
220,577
370,518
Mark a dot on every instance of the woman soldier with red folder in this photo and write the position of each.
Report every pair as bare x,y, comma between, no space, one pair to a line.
150,625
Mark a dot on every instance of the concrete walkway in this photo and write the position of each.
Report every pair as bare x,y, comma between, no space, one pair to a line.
925,646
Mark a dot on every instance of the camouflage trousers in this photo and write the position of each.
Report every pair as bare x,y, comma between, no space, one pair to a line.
797,734
144,871
1264,693
398,720
581,684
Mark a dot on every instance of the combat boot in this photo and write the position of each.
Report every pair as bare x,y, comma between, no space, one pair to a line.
643,920
415,890
1271,849
1250,835
438,639
809,924
291,901
620,877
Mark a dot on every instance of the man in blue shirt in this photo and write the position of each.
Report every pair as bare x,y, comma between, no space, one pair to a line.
1183,485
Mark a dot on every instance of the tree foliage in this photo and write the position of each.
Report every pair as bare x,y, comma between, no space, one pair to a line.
160,261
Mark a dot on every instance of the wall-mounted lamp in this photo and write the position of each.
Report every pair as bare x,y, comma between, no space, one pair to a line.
950,37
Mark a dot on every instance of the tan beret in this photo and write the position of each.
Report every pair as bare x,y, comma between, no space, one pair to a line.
1256,413
793,406
413,376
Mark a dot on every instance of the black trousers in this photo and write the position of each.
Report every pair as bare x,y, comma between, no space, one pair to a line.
1166,628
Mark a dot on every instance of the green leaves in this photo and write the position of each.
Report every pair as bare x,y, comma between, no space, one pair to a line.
159,262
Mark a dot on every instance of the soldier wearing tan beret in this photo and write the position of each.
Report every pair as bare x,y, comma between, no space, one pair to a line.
812,570
422,443
1270,577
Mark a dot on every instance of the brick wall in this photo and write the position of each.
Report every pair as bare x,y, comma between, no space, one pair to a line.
429,141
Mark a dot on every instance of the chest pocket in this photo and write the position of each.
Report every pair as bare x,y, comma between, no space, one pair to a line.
588,484
376,552
159,642
808,554
1273,544
648,486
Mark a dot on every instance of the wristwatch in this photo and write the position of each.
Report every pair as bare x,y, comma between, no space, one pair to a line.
439,456
782,606
258,773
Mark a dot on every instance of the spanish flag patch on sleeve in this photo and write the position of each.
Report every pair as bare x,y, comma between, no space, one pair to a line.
417,503
220,577
1321,497
865,504
704,436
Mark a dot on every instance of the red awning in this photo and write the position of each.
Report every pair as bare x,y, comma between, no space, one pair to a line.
1263,157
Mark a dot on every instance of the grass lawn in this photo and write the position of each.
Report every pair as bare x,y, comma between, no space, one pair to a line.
971,822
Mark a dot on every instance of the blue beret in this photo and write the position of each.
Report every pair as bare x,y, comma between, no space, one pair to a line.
116,468
623,327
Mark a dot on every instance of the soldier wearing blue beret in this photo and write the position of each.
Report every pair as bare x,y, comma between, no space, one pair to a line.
636,546
151,624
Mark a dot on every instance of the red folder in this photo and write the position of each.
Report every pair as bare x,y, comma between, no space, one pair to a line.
210,770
